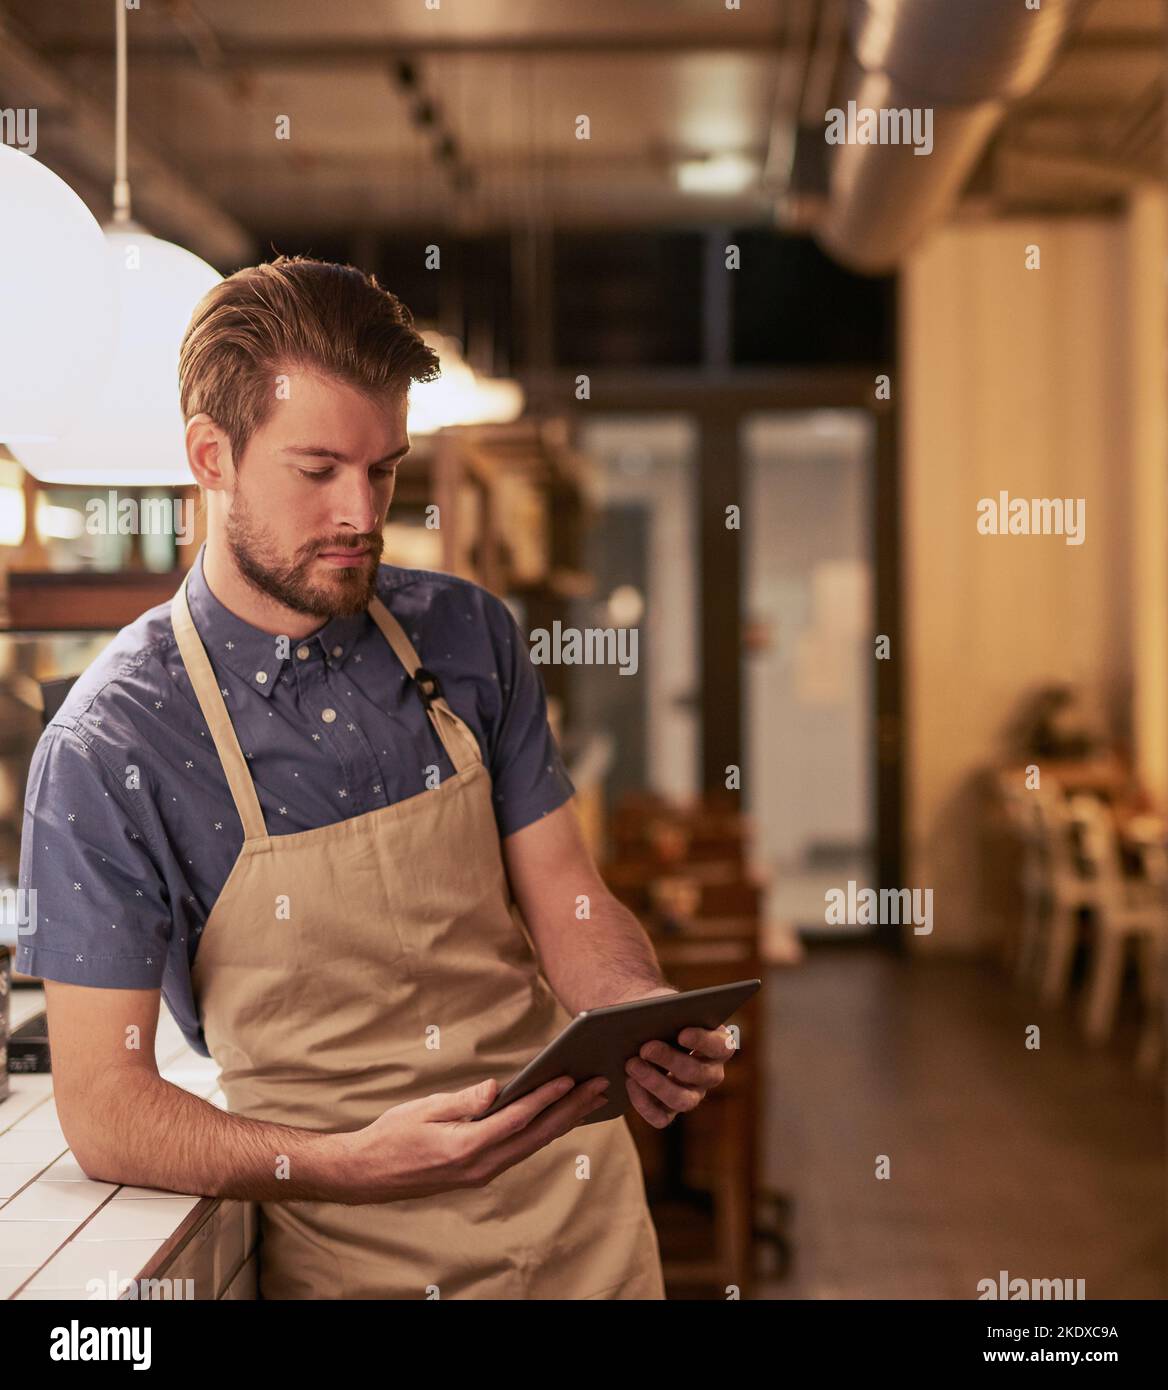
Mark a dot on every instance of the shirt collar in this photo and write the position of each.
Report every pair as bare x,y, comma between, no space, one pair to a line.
256,656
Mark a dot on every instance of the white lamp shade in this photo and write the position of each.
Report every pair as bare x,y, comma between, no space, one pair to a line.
57,307
133,435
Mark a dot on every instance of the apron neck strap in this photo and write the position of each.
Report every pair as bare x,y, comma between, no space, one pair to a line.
461,745
206,688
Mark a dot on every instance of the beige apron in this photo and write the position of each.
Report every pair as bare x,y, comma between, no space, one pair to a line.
347,969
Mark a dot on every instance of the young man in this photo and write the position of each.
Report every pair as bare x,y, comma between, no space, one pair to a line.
300,801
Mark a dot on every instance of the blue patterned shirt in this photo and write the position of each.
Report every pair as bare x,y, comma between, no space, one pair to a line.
129,828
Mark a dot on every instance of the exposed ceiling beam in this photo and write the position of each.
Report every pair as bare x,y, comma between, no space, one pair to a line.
1103,168
333,53
1081,107
314,52
658,160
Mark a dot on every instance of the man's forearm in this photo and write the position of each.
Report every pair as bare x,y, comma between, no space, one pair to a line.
607,958
150,1133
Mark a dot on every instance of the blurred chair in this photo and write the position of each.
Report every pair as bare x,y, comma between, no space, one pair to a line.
1150,834
1055,890
1034,878
1073,891
1127,910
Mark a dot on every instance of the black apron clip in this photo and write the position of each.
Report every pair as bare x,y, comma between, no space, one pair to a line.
428,686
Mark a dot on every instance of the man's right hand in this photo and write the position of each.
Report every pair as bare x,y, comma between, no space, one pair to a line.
427,1146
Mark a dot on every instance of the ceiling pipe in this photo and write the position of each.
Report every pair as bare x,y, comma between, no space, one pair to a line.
959,66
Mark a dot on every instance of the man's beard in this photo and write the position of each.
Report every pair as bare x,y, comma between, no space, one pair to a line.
348,590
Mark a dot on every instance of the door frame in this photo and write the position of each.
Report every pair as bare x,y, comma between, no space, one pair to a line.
718,402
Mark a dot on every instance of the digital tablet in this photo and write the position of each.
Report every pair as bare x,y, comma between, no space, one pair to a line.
598,1042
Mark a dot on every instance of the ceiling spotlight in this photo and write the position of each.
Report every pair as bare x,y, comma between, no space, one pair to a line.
406,73
446,149
424,113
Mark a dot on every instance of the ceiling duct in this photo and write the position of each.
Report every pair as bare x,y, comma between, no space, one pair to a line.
956,65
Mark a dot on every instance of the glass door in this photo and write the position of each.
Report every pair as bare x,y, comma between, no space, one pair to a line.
811,653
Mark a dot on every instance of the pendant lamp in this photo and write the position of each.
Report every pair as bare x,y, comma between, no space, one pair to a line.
132,434
57,308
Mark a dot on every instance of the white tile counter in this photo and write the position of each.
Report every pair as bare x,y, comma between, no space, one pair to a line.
59,1230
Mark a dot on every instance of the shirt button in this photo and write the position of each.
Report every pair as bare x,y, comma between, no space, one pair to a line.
328,715
262,677
337,651
302,653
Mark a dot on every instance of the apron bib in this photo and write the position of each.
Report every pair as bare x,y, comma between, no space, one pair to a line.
350,968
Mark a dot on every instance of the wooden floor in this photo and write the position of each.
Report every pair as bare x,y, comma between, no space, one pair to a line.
1047,1164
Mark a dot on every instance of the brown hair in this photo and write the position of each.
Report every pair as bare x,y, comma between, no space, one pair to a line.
293,312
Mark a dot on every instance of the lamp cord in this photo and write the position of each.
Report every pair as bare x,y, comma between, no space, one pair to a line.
121,175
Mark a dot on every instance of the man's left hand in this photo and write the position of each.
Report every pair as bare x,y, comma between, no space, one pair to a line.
663,1080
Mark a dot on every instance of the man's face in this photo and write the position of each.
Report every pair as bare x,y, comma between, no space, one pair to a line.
311,497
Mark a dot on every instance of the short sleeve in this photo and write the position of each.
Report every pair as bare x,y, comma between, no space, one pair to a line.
94,904
527,771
